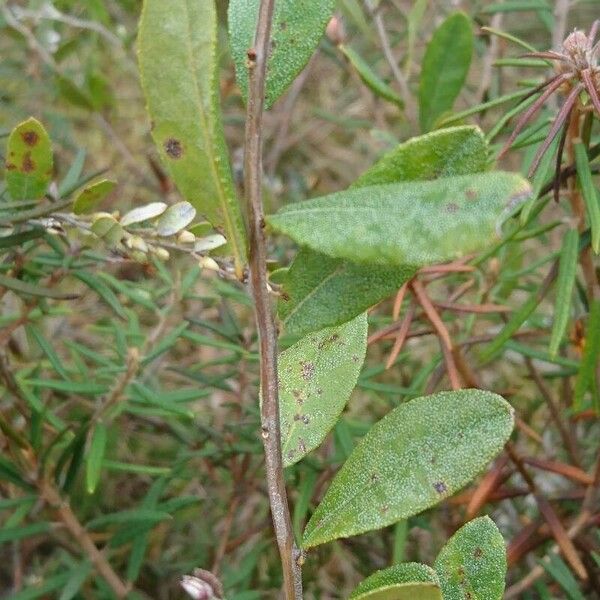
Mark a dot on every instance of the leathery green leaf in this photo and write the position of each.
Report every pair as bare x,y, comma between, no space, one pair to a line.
91,195
95,457
316,377
415,223
296,32
444,153
319,291
406,581
472,565
567,270
29,161
178,67
445,67
420,453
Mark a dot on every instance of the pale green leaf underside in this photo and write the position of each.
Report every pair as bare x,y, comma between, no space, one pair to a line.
398,583
472,565
316,377
415,223
178,68
445,67
320,291
29,161
420,453
296,32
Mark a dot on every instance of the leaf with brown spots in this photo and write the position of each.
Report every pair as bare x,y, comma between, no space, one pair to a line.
29,161
472,565
397,450
316,377
177,51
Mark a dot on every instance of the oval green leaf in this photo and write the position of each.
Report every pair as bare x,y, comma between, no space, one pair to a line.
444,153
316,377
91,195
420,453
445,67
415,223
175,218
29,161
95,456
319,291
472,565
406,581
296,32
178,67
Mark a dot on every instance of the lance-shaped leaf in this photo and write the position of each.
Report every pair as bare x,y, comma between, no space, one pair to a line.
178,67
29,161
296,32
445,67
472,565
316,377
415,223
420,453
320,291
406,581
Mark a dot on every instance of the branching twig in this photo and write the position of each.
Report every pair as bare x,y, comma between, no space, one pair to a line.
257,63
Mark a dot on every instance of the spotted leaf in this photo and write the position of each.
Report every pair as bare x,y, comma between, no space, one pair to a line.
420,453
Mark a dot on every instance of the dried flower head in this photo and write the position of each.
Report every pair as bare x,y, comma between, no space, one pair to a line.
202,585
577,71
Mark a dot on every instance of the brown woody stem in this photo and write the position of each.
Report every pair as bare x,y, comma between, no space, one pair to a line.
257,63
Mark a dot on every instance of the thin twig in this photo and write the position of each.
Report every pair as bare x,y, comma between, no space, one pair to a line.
271,434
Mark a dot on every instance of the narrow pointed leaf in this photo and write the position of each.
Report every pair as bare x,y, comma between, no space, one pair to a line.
316,377
416,223
420,453
472,565
565,283
95,457
406,581
319,291
178,66
32,289
445,67
296,32
370,78
92,195
589,192
29,161
591,358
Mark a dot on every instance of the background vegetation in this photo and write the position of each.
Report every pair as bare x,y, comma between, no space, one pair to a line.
164,353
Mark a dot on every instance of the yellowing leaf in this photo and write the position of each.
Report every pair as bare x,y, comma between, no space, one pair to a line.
29,161
91,195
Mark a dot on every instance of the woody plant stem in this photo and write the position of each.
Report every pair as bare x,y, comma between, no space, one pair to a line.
271,434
